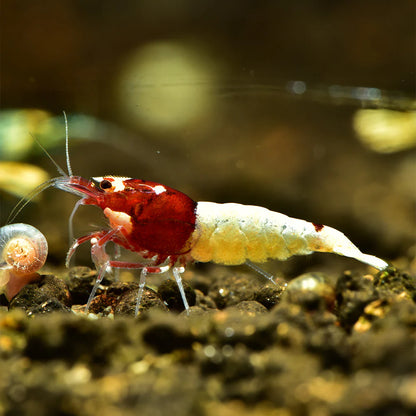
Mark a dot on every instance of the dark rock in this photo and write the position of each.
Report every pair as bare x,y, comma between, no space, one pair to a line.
3,300
80,281
107,301
165,334
47,294
391,282
231,289
170,294
353,293
126,304
204,302
269,295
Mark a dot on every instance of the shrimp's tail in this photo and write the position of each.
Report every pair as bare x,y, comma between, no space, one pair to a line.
328,239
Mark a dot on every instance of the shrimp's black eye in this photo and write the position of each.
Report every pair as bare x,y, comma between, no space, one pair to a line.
105,184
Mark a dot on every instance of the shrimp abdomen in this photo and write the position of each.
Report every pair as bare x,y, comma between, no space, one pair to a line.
232,234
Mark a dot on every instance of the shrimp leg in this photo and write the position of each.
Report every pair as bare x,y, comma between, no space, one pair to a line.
259,270
104,264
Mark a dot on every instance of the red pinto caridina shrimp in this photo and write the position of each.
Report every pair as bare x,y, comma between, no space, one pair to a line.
169,229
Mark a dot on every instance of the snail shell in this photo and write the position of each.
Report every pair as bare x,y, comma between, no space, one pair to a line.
23,249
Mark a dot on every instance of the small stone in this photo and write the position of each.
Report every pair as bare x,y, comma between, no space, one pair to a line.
249,308
232,289
311,291
127,302
169,292
47,294
269,296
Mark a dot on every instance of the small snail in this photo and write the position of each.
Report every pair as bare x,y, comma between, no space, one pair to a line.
23,251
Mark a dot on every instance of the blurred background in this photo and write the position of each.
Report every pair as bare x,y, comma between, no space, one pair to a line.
306,108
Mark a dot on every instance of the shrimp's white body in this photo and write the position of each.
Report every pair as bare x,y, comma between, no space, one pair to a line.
233,233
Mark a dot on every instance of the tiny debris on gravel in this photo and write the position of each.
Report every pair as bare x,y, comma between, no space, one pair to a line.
322,344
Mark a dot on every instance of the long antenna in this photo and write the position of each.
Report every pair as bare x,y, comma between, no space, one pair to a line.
58,168
26,199
51,182
68,163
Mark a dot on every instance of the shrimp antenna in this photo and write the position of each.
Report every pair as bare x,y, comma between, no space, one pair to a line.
26,199
68,163
58,168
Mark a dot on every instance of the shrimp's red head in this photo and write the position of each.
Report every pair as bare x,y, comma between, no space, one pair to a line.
151,216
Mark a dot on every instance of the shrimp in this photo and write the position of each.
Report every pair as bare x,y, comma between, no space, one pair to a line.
169,230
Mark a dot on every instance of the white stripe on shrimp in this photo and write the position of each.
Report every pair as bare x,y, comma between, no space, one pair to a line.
232,234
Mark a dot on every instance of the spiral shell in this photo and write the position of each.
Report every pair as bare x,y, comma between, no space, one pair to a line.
23,248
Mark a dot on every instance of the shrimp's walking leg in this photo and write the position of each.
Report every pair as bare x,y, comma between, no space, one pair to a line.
153,270
101,273
80,241
144,272
117,255
104,264
98,255
142,282
259,270
71,218
177,275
